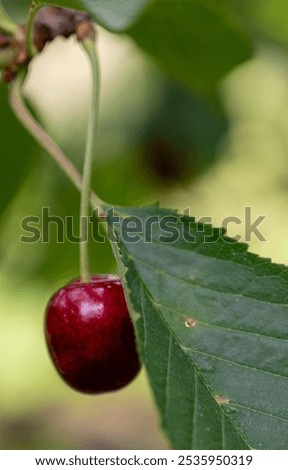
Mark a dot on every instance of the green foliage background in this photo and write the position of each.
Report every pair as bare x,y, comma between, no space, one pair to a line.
175,128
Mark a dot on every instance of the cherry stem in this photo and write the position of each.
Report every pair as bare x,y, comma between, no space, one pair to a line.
30,46
7,25
22,112
89,47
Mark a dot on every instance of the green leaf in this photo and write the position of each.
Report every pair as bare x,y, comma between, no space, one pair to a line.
212,328
115,15
193,41
16,153
267,18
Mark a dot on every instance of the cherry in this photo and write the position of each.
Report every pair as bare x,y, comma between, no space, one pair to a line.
90,335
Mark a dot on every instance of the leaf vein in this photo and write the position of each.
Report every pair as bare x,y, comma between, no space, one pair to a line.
223,327
254,410
194,285
219,358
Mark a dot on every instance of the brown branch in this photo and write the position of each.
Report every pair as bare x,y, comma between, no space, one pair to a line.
52,22
49,23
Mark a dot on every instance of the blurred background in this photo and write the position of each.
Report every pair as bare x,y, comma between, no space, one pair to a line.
213,154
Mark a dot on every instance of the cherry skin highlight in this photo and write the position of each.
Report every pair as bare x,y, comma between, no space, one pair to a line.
90,335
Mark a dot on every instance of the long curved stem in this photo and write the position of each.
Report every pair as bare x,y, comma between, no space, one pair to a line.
28,121
89,47
30,29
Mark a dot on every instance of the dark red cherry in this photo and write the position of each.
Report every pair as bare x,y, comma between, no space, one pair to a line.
90,336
